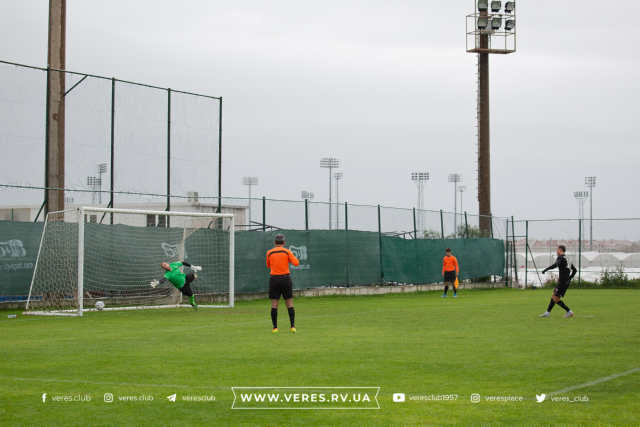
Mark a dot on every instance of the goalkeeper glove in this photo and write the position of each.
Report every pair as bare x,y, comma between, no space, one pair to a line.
154,283
196,268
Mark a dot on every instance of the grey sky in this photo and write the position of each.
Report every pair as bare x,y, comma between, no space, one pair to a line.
385,86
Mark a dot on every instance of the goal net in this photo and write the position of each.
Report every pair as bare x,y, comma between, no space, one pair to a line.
112,255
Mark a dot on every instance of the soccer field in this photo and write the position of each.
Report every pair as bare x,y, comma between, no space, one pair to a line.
488,342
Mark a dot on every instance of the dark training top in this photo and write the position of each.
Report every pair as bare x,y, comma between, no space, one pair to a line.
565,273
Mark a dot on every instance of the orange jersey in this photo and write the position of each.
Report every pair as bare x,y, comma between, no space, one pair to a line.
450,263
278,260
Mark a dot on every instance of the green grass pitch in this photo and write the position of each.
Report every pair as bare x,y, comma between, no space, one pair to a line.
487,342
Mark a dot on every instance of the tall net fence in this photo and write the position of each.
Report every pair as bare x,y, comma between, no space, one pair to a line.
612,248
112,130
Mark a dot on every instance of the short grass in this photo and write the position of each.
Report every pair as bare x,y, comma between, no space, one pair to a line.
488,342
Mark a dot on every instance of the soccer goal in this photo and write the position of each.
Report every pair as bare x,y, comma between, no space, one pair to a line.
93,254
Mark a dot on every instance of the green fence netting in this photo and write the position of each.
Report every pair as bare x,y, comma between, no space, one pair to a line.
327,258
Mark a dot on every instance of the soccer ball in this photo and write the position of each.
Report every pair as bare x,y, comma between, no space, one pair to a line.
99,305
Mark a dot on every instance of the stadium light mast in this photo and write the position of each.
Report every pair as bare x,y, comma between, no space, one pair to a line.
93,183
490,29
420,178
461,190
102,169
330,163
590,183
338,177
581,196
455,178
250,182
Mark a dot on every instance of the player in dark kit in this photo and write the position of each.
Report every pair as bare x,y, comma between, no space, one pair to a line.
278,260
564,278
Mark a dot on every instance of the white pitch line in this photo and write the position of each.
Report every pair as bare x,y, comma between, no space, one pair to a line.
596,381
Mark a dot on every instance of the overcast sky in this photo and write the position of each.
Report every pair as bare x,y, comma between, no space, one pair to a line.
385,86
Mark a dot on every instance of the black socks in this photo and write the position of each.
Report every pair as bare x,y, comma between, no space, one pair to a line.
446,288
292,316
551,304
563,305
274,317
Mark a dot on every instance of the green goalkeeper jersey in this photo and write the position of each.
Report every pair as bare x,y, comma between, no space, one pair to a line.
175,276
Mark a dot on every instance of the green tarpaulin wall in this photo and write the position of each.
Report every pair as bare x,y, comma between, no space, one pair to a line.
345,258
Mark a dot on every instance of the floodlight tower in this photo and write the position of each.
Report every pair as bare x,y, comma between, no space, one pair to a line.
102,169
581,196
590,183
249,181
490,29
306,195
338,177
330,163
455,178
420,178
93,183
461,190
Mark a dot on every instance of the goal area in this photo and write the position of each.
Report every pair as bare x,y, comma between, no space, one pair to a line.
93,254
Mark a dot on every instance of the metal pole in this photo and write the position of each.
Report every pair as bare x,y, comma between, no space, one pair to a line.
455,208
330,191
112,153
466,223
264,213
337,203
441,225
346,233
513,238
47,109
415,230
249,204
506,254
591,219
168,153
380,244
306,214
484,135
220,156
526,253
579,250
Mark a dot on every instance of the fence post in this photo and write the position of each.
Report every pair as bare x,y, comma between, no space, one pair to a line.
168,153
526,253
264,213
346,234
220,158
579,250
112,166
306,214
441,225
491,225
506,254
380,244
513,238
466,225
415,230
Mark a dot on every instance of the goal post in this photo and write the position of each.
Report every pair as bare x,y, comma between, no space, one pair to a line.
93,254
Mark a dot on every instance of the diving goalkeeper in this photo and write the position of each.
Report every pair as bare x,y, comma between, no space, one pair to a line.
179,279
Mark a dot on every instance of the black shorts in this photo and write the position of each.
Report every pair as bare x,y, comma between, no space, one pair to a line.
560,290
186,289
449,276
280,286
